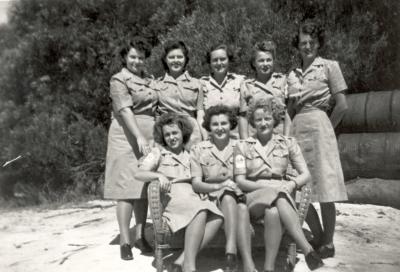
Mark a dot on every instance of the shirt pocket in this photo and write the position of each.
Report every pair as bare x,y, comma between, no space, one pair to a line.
163,88
169,167
280,160
190,92
210,166
253,160
135,87
317,79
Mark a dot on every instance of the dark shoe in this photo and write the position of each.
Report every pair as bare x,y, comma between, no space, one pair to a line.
230,262
143,246
313,260
176,268
314,244
126,252
326,251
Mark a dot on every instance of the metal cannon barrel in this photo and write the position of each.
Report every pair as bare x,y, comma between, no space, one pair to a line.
370,155
372,112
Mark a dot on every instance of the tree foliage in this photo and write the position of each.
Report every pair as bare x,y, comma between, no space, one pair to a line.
57,57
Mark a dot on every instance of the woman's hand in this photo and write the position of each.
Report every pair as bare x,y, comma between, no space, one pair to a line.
165,183
289,186
230,184
143,145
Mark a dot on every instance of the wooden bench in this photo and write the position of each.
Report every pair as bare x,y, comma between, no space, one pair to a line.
164,239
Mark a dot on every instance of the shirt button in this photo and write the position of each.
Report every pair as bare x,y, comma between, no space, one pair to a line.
224,174
220,98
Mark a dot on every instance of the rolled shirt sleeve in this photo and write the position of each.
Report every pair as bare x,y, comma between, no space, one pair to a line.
295,154
119,94
337,83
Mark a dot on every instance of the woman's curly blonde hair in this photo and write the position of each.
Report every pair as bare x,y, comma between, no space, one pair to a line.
271,105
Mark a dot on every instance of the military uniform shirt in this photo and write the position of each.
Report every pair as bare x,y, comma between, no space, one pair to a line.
315,86
174,167
253,90
228,93
269,161
130,90
182,95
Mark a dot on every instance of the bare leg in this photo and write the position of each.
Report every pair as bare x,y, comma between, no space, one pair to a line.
314,224
213,224
124,216
244,238
229,209
272,236
193,236
291,222
328,214
140,211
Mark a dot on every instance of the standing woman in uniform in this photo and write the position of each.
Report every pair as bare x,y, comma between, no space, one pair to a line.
130,136
212,173
315,87
221,86
267,83
178,92
169,163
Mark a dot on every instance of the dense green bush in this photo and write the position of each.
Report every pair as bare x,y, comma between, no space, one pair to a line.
57,57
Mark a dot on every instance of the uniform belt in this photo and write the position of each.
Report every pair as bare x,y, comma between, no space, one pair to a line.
308,108
146,113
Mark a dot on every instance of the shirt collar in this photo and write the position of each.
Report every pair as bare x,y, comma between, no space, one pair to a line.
128,75
318,61
184,161
185,76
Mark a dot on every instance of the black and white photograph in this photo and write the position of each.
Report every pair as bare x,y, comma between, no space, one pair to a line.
199,135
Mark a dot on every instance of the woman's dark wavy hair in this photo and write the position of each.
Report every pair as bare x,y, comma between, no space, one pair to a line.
271,105
172,45
217,110
267,45
228,50
139,43
170,119
311,28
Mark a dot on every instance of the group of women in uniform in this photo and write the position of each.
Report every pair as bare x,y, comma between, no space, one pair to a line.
183,132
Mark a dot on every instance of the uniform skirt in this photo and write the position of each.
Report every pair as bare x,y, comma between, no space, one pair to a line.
257,201
314,133
183,204
122,159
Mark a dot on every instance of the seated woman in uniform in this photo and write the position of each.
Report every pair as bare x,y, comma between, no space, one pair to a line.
260,165
212,172
169,163
221,86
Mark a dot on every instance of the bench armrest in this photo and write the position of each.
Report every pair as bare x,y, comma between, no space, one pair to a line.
154,196
304,203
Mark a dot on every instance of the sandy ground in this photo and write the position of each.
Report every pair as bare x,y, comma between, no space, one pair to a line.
78,239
